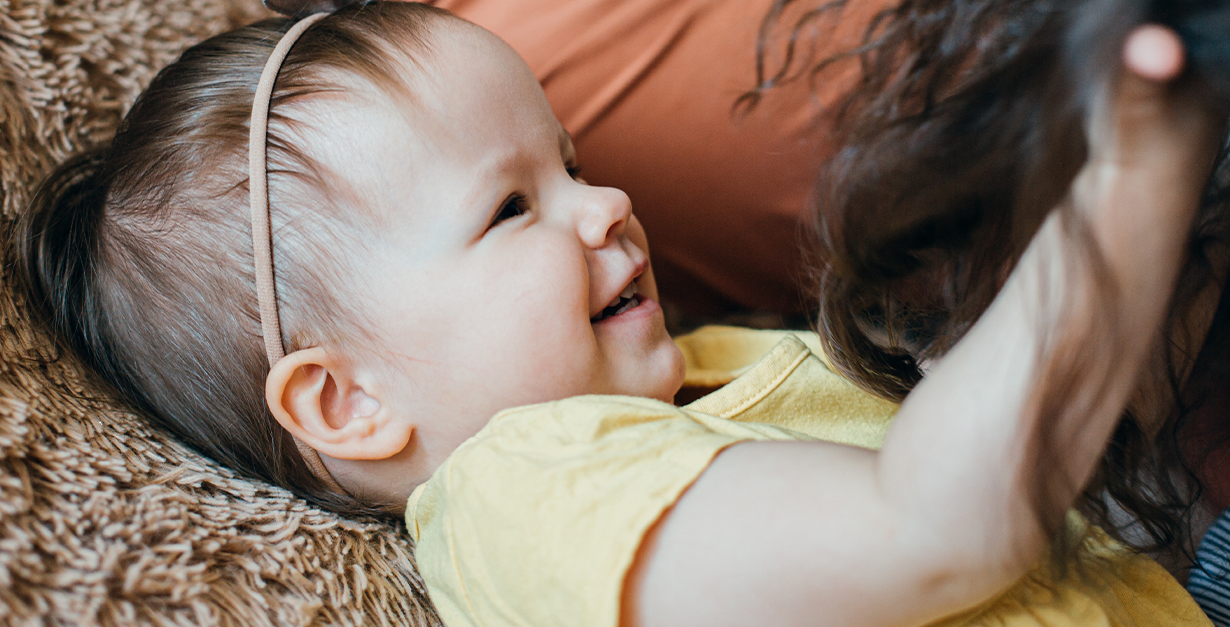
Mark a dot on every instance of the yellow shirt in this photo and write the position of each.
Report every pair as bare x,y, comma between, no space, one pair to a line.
536,519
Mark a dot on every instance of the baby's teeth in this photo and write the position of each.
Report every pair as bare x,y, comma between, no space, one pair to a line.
629,291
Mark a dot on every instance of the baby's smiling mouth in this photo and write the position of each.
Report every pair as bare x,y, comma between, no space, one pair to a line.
626,300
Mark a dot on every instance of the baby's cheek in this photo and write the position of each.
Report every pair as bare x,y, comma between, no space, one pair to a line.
647,284
571,368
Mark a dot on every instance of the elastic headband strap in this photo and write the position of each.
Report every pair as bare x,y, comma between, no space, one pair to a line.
258,189
262,236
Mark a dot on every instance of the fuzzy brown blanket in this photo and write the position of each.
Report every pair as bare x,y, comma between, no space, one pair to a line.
102,520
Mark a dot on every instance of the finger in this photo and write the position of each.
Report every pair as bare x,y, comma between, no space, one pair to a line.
1152,143
1154,53
1144,113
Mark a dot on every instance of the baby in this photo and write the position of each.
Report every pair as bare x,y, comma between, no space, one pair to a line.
450,321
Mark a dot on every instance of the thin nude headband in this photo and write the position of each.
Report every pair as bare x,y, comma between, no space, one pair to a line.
262,242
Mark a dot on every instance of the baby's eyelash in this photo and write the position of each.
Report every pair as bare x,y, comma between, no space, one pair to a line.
513,206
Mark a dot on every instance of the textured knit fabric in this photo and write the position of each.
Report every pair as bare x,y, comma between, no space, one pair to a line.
1209,582
104,520
647,89
536,520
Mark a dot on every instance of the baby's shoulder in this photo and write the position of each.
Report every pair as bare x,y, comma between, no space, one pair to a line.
590,424
540,513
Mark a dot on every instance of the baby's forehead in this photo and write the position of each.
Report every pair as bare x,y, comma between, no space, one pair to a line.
406,64
396,75
462,82
431,70
464,96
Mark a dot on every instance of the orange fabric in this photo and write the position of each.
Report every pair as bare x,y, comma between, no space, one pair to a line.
646,87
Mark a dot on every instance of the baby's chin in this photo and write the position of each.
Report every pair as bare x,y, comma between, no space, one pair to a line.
672,381
658,376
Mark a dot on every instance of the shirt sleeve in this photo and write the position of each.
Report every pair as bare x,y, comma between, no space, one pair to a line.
536,520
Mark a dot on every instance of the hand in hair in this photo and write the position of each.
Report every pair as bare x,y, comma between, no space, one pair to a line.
982,462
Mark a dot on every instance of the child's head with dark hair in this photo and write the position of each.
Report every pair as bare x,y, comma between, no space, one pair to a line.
966,131
436,260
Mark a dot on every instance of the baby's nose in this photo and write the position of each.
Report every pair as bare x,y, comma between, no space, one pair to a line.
605,215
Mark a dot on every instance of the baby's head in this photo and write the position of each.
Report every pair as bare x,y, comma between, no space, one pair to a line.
436,258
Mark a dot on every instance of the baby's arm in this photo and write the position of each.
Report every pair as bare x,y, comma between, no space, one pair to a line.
941,518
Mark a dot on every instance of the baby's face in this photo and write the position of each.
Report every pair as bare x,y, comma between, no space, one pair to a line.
500,279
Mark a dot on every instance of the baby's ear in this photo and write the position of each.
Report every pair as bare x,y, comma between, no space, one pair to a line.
327,405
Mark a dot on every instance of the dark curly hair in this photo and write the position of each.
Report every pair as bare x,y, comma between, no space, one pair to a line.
965,131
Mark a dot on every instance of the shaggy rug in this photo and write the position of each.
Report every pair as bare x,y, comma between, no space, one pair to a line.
102,520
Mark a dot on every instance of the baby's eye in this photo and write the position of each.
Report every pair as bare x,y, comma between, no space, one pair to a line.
574,171
514,206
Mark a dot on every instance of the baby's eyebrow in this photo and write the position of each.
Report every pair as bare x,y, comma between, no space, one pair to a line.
492,168
506,162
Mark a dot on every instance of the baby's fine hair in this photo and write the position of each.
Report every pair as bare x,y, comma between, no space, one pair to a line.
139,253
